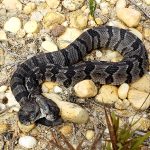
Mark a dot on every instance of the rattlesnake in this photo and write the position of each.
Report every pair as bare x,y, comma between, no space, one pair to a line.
66,66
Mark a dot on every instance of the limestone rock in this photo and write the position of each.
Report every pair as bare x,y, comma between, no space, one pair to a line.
29,7
49,46
13,25
85,89
107,94
25,128
3,36
27,141
53,3
139,100
142,84
31,26
69,111
123,91
12,4
52,18
130,17
68,37
78,19
72,4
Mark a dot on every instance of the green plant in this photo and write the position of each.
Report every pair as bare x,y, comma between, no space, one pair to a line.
122,138
92,7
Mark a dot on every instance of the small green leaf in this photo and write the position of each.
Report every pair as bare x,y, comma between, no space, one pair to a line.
136,142
92,6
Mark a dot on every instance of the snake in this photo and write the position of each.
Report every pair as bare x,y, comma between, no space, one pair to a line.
67,67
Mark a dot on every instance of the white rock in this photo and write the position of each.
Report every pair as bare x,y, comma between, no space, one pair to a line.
85,89
122,104
31,26
12,102
123,90
49,46
13,25
3,88
12,4
89,134
53,3
37,16
138,99
107,94
29,8
143,84
68,37
139,123
121,4
147,2
2,107
130,17
98,1
3,35
27,141
69,111
137,33
72,4
57,89
48,86
78,19
104,6
52,18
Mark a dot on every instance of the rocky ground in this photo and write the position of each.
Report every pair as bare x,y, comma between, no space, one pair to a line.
28,27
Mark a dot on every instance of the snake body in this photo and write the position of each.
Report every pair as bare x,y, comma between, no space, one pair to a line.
66,66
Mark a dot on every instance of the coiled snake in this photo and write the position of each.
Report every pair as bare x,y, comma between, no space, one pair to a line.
62,66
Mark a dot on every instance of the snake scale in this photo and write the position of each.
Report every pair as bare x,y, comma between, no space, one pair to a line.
66,66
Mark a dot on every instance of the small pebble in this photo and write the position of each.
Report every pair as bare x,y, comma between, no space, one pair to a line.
31,27
108,94
140,100
49,46
130,17
121,4
53,3
13,25
52,18
2,107
71,112
66,130
147,2
123,91
58,30
85,89
25,128
27,141
89,134
12,4
29,8
3,88
3,36
72,4
68,37
139,123
3,128
143,84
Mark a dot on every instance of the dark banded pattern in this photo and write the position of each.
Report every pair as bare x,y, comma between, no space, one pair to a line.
63,66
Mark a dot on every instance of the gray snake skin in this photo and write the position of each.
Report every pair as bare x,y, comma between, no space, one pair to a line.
66,67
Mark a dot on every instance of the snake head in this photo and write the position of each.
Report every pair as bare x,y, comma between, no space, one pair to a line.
29,113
